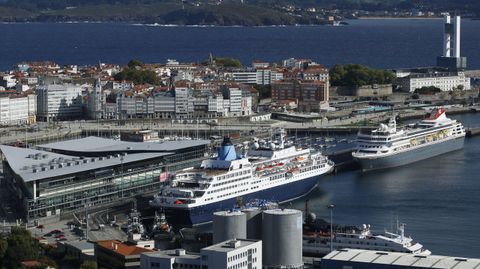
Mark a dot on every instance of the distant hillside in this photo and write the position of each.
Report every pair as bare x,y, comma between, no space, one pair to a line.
210,12
163,12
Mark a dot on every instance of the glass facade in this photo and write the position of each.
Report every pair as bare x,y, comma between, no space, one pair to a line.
108,185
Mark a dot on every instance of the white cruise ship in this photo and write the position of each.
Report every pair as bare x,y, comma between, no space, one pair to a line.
388,146
320,243
270,171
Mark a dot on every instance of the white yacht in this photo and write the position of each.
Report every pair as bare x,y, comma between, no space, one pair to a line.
320,243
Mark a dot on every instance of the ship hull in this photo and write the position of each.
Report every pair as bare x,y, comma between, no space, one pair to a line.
411,156
204,213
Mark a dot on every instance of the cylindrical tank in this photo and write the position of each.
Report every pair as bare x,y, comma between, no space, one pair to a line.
254,222
228,225
282,238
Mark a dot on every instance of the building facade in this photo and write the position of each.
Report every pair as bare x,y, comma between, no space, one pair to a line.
18,109
59,101
65,177
232,254
311,95
445,81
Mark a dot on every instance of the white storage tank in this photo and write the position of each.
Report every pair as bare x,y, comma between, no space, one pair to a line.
228,225
282,238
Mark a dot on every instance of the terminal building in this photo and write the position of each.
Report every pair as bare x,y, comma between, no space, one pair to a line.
63,177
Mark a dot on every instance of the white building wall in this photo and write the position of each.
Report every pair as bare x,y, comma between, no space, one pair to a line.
59,101
444,83
14,110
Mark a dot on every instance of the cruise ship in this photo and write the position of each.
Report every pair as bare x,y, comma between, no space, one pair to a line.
267,171
388,146
320,243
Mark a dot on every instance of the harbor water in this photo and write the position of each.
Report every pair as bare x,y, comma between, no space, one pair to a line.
397,43
438,198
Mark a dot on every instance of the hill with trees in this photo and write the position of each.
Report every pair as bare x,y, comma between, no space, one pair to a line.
209,12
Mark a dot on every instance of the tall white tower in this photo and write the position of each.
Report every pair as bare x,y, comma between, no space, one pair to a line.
451,58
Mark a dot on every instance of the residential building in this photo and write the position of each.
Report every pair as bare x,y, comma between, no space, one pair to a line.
113,254
311,95
16,109
260,76
59,101
445,81
183,102
231,254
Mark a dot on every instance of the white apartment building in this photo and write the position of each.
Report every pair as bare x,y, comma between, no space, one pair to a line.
216,105
183,102
442,80
59,101
18,109
232,254
261,76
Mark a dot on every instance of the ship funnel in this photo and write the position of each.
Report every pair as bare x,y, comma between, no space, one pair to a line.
227,152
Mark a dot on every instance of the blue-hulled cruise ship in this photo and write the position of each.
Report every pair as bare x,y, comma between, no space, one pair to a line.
268,171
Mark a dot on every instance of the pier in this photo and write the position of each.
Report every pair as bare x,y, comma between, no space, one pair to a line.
471,132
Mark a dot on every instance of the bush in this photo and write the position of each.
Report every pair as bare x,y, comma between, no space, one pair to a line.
427,90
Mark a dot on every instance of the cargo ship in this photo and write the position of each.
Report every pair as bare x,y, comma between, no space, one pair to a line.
388,146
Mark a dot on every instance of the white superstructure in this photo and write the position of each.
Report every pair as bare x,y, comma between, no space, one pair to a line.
319,244
260,175
388,146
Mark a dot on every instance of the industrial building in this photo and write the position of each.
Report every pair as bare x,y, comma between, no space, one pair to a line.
230,254
451,58
371,259
63,177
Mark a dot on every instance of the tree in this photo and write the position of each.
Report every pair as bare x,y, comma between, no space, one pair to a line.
21,247
355,75
3,250
88,265
134,63
228,62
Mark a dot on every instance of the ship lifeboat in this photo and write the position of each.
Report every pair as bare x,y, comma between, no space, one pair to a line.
279,164
179,202
300,158
259,169
413,142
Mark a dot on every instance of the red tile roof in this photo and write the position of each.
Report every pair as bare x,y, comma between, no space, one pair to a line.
122,248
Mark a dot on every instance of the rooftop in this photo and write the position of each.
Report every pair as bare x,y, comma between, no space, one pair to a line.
31,164
95,144
122,248
230,245
401,259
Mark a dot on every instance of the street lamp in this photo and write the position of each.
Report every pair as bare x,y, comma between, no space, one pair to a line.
331,207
